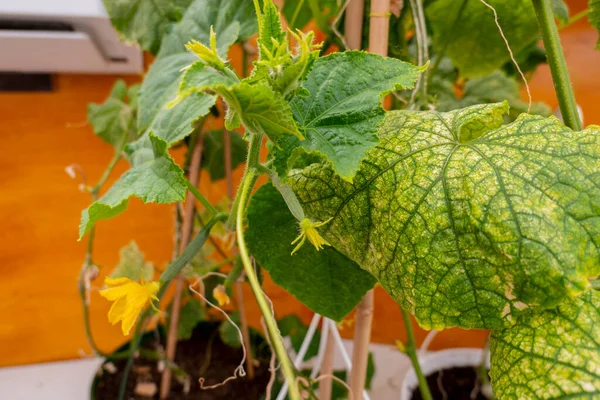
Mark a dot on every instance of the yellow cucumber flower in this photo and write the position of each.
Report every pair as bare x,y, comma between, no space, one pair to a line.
220,294
308,230
130,298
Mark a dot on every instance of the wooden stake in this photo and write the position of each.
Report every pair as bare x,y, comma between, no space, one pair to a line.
378,44
186,233
326,384
355,12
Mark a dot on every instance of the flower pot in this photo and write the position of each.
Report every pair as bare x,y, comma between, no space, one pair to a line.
202,355
434,361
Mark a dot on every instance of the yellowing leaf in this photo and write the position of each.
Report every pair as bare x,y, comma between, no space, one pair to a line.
554,354
464,221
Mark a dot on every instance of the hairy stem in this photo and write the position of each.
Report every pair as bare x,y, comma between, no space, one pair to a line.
558,64
272,330
575,18
186,233
235,272
411,351
88,263
253,162
422,51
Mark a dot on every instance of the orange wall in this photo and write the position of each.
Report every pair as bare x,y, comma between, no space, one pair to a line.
40,206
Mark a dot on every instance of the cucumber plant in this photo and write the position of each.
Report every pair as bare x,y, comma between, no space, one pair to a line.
470,207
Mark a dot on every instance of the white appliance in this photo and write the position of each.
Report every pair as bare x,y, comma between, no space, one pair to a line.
74,36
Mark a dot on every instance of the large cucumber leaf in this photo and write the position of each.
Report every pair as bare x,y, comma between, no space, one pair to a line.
339,118
464,221
326,281
156,179
467,32
554,354
145,22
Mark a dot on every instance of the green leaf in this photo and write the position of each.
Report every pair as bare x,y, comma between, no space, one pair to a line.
270,32
260,109
466,222
232,20
291,326
594,17
340,117
560,10
553,354
229,333
132,265
471,38
325,281
145,22
114,120
190,315
492,88
157,180
213,153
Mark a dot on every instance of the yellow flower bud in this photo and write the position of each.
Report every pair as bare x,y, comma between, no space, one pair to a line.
308,230
220,294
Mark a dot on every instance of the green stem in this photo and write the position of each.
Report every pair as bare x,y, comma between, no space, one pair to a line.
253,162
296,12
575,18
194,191
234,274
558,64
411,352
266,311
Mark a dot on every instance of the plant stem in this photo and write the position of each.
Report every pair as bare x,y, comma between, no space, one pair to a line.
253,161
558,64
196,193
82,287
272,330
236,271
296,12
575,18
422,51
411,352
186,232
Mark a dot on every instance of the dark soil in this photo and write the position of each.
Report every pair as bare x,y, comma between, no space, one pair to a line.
192,357
457,383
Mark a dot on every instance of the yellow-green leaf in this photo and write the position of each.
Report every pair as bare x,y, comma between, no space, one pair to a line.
464,221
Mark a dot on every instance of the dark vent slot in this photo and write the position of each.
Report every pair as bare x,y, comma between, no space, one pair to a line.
24,25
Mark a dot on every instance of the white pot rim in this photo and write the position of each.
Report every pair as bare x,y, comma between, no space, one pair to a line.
437,360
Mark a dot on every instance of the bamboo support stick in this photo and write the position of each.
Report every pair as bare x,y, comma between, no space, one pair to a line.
186,233
353,23
378,44
326,384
